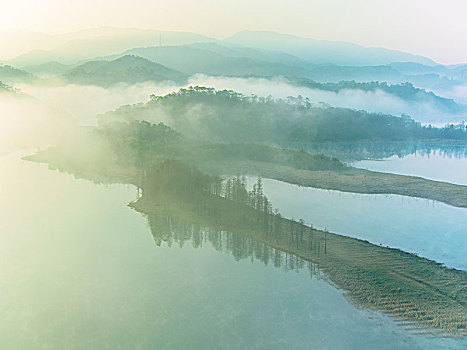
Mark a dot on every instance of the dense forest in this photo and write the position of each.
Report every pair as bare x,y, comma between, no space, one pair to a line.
227,116
406,91
119,151
141,144
182,204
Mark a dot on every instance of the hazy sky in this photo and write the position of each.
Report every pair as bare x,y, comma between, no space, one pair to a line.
437,29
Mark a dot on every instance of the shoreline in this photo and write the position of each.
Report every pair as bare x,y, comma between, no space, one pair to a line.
423,293
351,180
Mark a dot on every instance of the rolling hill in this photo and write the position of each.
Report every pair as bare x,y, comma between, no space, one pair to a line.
323,51
126,69
12,75
71,48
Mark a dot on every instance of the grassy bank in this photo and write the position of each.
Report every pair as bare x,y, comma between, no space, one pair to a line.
420,292
122,152
417,290
348,180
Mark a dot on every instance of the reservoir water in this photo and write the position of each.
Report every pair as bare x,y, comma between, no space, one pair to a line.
80,270
432,164
431,229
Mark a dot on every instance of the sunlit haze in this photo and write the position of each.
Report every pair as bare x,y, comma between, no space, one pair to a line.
436,29
217,174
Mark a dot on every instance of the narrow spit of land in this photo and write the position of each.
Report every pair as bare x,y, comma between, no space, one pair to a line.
421,293
123,150
415,289
348,180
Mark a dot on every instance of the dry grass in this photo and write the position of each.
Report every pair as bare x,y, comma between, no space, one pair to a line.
421,292
349,180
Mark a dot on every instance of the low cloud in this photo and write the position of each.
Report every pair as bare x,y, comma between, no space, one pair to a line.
26,122
85,102
457,93
53,104
376,101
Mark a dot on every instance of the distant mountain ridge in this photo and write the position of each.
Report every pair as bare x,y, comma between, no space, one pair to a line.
193,59
128,69
177,63
247,53
52,67
323,51
71,47
222,59
139,56
12,75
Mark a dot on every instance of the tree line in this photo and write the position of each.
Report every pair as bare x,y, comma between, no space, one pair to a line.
227,116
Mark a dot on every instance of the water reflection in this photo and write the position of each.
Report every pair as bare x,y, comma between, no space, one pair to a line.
168,230
183,205
430,164
83,272
431,229
356,151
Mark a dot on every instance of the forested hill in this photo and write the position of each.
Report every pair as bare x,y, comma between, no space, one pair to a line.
12,75
227,116
405,91
128,69
5,88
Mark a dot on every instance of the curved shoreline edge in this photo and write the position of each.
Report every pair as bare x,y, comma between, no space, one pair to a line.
353,180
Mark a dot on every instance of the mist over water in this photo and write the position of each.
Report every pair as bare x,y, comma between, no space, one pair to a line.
432,165
83,270
86,273
85,102
372,101
26,122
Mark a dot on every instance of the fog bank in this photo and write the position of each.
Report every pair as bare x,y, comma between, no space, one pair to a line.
85,102
376,101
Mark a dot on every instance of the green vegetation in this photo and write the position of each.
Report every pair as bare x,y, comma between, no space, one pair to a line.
120,150
349,179
7,88
183,204
227,116
415,289
405,91
140,144
12,75
47,69
127,69
188,152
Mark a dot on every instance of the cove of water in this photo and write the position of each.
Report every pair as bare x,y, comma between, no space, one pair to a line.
433,164
431,229
80,270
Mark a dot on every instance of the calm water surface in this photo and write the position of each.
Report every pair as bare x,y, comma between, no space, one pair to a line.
434,164
431,229
80,270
